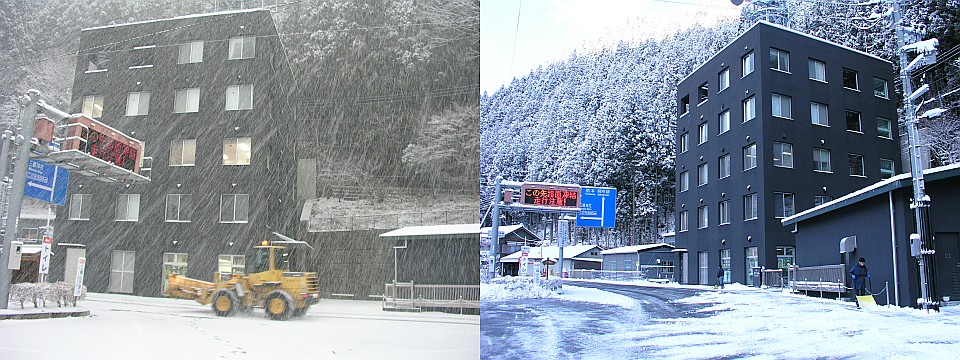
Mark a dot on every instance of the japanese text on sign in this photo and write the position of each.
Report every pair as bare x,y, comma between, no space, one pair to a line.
550,195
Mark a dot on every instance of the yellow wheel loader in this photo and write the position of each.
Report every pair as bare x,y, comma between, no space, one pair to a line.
282,293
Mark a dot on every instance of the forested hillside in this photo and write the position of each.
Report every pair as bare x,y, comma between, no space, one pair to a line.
607,118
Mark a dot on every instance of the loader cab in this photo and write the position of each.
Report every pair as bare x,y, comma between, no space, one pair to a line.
266,258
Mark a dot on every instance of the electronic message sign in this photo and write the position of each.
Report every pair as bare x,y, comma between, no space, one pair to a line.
550,195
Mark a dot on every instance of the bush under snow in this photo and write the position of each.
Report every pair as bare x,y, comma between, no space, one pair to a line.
511,288
40,293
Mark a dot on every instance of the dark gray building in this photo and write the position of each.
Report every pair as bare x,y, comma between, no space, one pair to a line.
880,220
656,261
213,98
775,123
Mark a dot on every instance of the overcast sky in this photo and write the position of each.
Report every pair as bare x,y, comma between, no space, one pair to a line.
550,30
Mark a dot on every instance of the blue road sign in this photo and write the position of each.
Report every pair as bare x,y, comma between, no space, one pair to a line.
46,182
598,207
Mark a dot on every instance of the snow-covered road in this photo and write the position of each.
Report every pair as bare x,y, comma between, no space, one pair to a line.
130,327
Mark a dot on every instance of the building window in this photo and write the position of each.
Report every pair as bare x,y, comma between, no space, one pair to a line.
850,79
780,105
749,109
242,47
724,166
138,103
821,199
751,261
750,207
183,152
187,101
855,162
626,265
880,88
884,128
724,80
173,263
234,208
749,157
682,220
747,63
128,207
782,155
80,206
783,204
142,56
887,169
703,171
239,97
178,208
191,52
684,181
785,257
703,258
93,106
779,60
704,92
819,114
97,62
684,105
818,70
704,133
724,208
725,264
230,264
703,217
725,121
684,143
853,121
821,160
236,151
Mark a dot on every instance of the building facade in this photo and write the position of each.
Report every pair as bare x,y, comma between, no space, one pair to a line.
213,98
775,123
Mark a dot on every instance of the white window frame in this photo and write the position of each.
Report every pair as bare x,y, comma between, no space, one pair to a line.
236,198
846,118
724,216
703,133
782,59
128,207
750,157
747,64
821,199
183,145
238,144
750,204
127,270
724,80
777,102
750,108
886,88
780,209
174,263
247,48
785,152
851,162
703,174
886,173
817,70
703,93
724,121
684,142
819,114
230,262
186,101
80,207
93,106
703,217
190,53
684,181
888,130
724,166
856,79
182,202
239,97
138,103
818,161
683,220
140,51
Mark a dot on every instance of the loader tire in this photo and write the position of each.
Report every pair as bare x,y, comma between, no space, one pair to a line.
279,305
225,303
301,311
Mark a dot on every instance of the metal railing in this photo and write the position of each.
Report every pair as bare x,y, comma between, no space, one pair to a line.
826,278
772,278
390,221
412,296
652,273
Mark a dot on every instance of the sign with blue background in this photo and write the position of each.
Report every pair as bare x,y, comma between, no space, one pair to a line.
46,182
598,207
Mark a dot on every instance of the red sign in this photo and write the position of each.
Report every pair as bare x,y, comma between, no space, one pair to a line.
103,142
550,195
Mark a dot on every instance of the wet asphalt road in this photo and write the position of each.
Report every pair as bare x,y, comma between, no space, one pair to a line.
563,329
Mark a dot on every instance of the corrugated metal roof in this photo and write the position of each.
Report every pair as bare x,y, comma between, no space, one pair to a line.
634,248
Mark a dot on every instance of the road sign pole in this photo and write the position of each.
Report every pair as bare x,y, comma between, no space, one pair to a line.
27,123
495,228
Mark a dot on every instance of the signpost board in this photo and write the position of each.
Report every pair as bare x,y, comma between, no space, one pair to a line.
78,283
598,207
46,182
524,255
45,255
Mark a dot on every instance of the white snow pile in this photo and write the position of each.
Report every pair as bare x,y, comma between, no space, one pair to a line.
515,288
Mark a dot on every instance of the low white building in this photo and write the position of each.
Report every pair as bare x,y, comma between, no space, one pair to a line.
576,257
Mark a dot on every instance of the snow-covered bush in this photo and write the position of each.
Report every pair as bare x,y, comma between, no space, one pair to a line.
509,287
37,293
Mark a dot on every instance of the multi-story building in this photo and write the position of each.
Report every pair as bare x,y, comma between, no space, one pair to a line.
213,98
773,124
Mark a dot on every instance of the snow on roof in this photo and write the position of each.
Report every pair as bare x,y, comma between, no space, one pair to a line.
228,12
432,231
633,248
504,229
537,252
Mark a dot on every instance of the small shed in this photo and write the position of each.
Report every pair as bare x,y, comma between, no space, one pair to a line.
512,238
655,260
438,254
576,257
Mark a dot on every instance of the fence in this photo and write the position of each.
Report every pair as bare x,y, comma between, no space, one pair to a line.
654,273
772,278
826,278
391,221
410,296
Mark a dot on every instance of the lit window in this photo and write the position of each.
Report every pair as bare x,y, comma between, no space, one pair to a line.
138,103
780,105
239,97
818,70
887,169
749,157
80,206
782,155
821,160
178,208
783,205
703,172
747,63
242,48
779,60
93,106
724,166
819,114
884,128
187,101
850,79
183,152
855,162
191,52
236,151
749,207
725,121
234,208
724,80
853,121
749,109
128,207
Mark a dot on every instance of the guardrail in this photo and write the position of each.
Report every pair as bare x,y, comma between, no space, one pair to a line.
772,278
652,273
826,278
410,296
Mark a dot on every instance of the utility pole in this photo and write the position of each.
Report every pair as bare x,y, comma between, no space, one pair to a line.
495,228
926,255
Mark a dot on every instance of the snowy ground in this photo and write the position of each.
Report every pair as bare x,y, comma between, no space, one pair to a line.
129,327
743,322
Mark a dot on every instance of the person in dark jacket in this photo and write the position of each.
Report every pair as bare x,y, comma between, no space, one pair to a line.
720,277
860,274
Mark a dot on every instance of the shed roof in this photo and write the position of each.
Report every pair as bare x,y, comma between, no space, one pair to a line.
634,248
433,232
881,187
537,252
